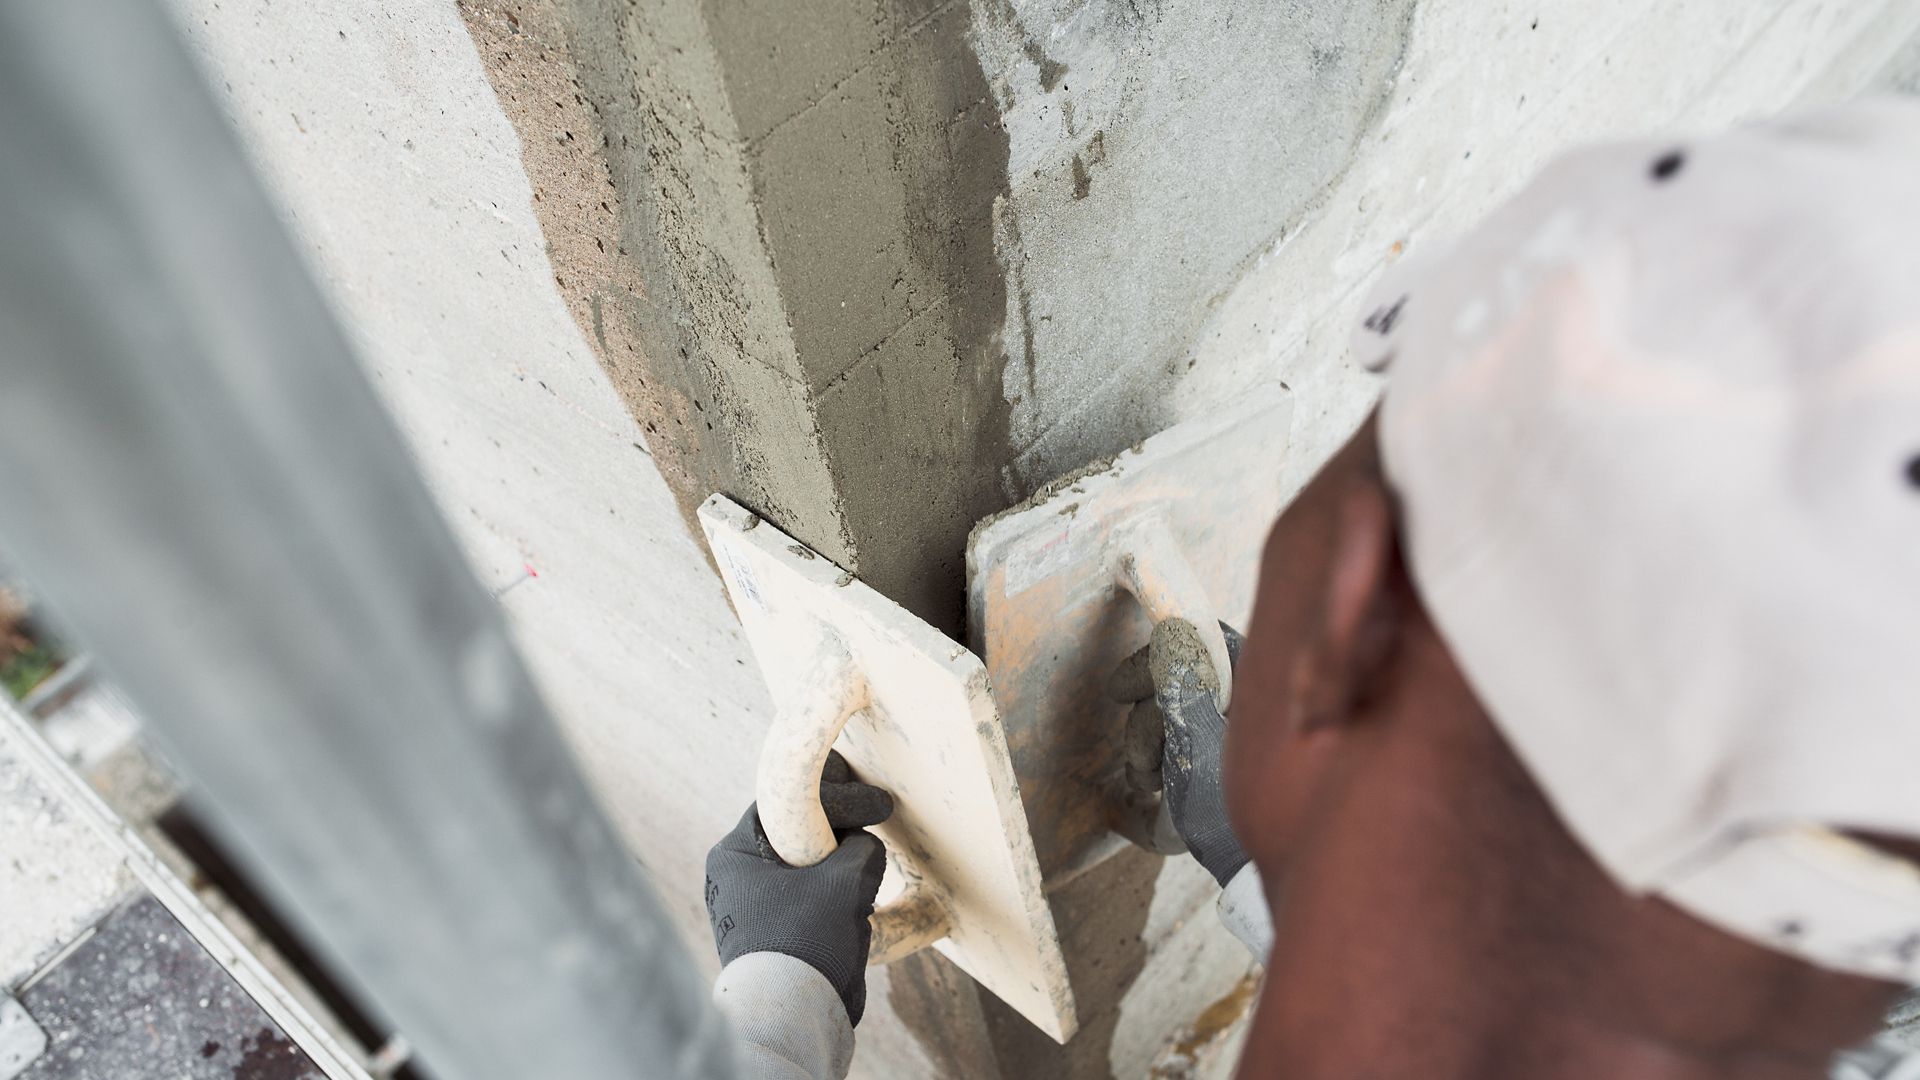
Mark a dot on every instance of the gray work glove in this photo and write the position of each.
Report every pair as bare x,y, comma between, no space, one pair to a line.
757,903
1176,725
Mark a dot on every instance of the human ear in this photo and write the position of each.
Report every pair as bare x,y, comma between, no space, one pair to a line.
1359,611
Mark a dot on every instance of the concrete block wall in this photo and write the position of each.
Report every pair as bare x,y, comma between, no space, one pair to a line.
807,193
596,253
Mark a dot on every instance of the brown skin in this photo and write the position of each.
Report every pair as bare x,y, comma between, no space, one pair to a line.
1433,918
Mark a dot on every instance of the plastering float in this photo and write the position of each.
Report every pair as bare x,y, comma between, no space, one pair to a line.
912,711
1065,586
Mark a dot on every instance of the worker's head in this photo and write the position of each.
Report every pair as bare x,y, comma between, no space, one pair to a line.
1592,664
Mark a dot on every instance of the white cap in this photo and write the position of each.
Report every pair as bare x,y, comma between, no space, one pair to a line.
1655,431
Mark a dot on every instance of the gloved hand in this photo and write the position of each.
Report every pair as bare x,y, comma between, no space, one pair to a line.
1177,724
757,903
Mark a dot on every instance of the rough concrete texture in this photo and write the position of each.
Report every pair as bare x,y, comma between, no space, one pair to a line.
400,175
1157,150
657,251
1406,123
805,206
1188,963
57,875
1148,959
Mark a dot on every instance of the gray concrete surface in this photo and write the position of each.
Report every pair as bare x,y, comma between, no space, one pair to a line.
1485,94
807,204
22,1040
1157,152
57,875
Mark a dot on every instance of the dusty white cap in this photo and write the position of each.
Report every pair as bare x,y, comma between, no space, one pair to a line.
1655,429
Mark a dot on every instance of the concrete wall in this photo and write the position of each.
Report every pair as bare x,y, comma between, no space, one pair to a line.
806,193
596,255
403,179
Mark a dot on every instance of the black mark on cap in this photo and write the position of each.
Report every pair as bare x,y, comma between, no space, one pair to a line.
1668,166
1913,471
1381,321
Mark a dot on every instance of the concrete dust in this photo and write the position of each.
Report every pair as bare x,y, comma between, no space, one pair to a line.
645,206
1188,139
889,187
1178,658
788,270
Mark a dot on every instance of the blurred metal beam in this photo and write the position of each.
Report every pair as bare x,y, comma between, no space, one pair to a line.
196,474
